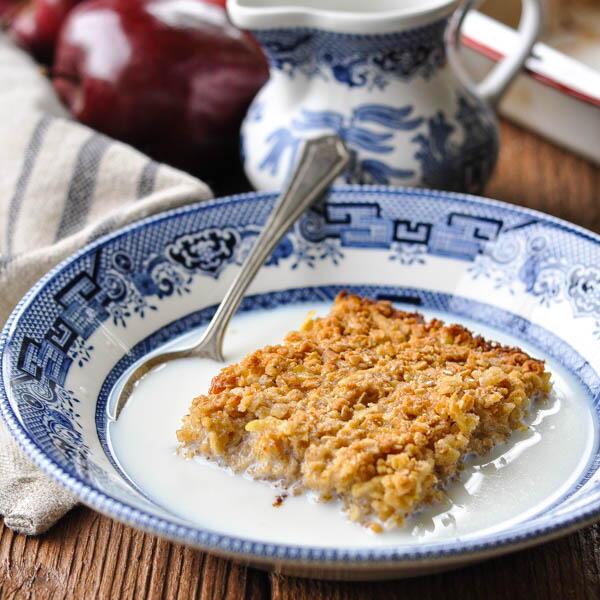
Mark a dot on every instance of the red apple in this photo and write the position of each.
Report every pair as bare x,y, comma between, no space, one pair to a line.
171,77
8,10
38,25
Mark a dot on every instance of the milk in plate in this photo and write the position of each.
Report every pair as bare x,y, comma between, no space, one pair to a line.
510,484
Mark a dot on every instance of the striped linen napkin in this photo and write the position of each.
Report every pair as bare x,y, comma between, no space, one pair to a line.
61,186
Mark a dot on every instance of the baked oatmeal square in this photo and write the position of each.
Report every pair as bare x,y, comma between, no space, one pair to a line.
372,405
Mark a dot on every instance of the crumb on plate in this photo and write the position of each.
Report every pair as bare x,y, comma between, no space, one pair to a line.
279,500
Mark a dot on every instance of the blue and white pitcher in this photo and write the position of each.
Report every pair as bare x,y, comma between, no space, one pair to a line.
377,73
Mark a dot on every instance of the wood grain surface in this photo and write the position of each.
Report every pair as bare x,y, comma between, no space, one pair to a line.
88,556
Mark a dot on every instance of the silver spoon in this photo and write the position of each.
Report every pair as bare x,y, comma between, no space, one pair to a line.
321,160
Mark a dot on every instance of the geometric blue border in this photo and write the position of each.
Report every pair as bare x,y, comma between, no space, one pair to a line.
443,553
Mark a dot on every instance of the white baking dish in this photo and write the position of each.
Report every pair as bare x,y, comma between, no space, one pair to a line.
557,96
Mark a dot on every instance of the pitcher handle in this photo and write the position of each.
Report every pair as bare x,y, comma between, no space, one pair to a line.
496,83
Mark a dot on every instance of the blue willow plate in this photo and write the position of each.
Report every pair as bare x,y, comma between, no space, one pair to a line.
533,276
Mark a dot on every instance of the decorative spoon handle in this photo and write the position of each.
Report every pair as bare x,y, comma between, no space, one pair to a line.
321,161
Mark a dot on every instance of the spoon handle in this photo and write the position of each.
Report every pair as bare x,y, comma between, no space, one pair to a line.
321,161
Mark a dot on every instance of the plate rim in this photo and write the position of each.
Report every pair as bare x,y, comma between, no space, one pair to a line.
389,558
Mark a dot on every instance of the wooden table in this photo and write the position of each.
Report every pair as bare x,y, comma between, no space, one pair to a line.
90,556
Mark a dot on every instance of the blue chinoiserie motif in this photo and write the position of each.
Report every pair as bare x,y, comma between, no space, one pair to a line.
359,132
457,153
393,97
356,61
464,165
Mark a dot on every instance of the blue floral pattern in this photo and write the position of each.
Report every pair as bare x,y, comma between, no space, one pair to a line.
408,254
533,263
247,238
310,253
81,352
356,61
583,288
357,132
371,130
56,410
208,250
459,166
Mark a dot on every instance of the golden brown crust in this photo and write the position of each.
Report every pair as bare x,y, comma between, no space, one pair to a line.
370,404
